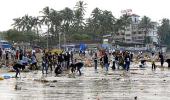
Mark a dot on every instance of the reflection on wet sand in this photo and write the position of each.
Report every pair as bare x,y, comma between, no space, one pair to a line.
116,85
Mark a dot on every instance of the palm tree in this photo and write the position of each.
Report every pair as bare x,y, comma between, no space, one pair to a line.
46,15
107,22
163,31
23,23
95,20
125,21
118,25
145,25
101,22
67,15
46,20
35,24
17,23
80,7
79,15
56,21
26,23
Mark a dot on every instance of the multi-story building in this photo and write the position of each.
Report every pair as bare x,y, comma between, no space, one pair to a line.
153,33
132,34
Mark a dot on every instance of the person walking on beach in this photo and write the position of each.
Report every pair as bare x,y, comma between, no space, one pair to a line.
45,63
127,61
161,58
113,61
34,62
106,62
95,62
153,59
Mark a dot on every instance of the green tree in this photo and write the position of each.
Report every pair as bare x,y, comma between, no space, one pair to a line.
79,16
23,23
67,16
56,22
107,21
145,25
101,22
93,24
164,31
123,22
18,36
46,21
17,23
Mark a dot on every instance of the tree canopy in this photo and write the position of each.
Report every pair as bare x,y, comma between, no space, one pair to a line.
73,26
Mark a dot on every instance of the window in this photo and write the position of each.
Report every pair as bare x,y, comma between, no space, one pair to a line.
127,34
134,33
128,39
140,37
140,33
135,20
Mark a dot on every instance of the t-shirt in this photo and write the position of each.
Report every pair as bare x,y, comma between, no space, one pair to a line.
153,58
33,51
33,59
127,59
3,52
113,59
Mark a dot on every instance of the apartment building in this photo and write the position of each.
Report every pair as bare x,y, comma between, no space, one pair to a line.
153,33
133,34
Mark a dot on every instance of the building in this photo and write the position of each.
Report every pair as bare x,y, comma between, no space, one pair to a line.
133,35
153,33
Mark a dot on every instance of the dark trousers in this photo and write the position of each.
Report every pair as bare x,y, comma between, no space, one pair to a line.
78,69
162,62
34,65
51,66
168,64
153,65
127,66
17,72
95,65
113,66
68,63
44,67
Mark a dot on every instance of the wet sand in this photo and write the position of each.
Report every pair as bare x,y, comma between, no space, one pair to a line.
144,84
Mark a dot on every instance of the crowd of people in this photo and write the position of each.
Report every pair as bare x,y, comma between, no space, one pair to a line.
66,61
123,60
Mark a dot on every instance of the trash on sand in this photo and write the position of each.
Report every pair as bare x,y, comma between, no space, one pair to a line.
41,80
17,87
6,76
52,86
1,78
54,81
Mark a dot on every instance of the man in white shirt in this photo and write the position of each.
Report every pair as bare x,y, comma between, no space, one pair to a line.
33,51
153,59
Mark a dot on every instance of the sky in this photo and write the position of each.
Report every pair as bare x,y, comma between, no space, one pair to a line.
10,9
